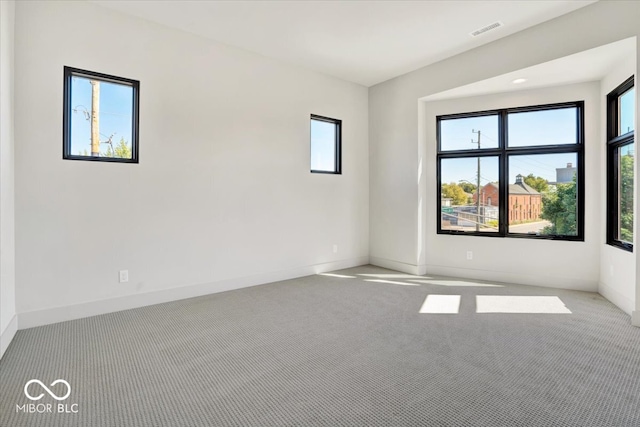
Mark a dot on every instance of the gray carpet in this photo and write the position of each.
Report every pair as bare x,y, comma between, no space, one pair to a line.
332,351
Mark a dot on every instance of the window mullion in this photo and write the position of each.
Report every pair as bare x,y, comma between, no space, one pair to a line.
503,172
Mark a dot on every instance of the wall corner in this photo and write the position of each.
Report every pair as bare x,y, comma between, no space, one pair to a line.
635,318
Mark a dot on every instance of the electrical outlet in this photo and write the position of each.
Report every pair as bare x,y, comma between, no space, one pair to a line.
335,249
124,276
469,255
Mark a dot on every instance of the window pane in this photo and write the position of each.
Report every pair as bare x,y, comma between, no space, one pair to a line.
462,210
458,134
323,146
546,127
625,156
627,111
101,118
542,194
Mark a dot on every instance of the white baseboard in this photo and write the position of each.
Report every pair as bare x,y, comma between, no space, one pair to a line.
635,318
422,269
7,335
398,266
498,276
616,298
47,316
516,278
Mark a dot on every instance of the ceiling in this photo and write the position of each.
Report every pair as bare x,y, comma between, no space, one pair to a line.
585,66
365,42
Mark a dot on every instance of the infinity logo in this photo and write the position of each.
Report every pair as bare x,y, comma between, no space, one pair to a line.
26,391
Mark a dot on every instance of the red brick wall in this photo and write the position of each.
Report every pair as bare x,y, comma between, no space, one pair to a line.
524,207
488,192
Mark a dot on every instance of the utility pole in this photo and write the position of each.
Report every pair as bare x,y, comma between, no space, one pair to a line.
95,118
478,188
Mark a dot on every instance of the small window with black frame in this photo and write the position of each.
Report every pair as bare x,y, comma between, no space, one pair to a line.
100,117
326,145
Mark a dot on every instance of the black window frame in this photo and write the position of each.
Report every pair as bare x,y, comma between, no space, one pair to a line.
69,73
337,141
614,143
503,152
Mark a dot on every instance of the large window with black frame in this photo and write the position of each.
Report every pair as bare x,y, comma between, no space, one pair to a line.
515,172
620,165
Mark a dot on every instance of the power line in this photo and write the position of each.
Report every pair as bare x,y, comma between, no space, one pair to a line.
84,110
115,114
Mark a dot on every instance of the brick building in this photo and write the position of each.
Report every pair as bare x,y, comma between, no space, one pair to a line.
525,203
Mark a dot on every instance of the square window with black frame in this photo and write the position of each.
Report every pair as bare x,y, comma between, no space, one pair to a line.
100,117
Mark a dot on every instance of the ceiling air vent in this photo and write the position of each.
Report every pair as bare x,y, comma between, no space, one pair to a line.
484,29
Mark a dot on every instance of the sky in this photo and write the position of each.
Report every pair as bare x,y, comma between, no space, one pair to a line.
627,111
116,108
535,128
323,146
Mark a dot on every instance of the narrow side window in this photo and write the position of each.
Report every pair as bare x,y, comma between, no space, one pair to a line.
620,165
326,145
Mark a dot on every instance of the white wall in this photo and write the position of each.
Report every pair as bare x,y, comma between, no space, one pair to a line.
561,264
617,267
398,180
8,320
214,204
222,197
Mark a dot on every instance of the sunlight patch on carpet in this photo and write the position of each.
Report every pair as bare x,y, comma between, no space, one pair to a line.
465,283
391,282
520,304
441,304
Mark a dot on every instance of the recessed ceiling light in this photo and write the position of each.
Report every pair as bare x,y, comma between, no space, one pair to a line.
518,81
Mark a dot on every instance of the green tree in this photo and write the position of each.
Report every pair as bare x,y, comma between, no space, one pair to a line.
468,187
456,193
538,183
560,208
107,153
626,198
121,150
